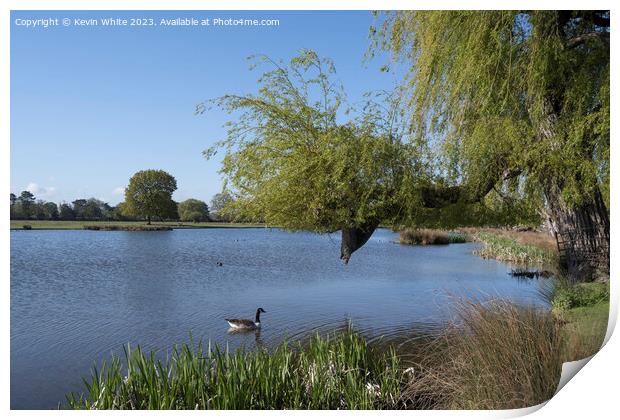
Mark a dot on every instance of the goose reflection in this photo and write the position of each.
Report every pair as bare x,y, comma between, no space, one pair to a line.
256,333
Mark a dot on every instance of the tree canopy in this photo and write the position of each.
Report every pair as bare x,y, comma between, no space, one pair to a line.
292,163
503,94
503,115
515,102
149,194
192,210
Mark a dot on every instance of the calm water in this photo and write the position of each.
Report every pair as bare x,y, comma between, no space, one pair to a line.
77,296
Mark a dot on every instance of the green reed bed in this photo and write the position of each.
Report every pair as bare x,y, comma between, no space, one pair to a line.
415,236
342,372
505,248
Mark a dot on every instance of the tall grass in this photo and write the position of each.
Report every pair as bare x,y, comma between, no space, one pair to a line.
414,236
505,248
497,356
339,373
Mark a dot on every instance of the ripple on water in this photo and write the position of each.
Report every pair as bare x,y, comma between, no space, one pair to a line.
77,296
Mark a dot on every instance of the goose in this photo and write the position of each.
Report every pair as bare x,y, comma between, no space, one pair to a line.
246,324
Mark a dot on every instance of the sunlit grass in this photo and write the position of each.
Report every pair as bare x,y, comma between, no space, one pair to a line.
342,372
505,248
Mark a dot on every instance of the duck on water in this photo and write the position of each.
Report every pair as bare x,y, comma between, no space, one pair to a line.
246,324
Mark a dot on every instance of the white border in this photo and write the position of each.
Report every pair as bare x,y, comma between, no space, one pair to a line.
592,394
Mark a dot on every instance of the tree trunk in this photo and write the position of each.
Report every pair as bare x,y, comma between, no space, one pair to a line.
582,235
354,238
148,220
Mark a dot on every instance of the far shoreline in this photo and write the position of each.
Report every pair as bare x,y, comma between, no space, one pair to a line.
130,225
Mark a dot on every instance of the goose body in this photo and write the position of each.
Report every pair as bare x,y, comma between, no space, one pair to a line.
246,324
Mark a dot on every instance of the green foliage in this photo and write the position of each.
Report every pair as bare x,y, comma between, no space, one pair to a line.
328,374
192,210
579,295
492,91
291,163
149,194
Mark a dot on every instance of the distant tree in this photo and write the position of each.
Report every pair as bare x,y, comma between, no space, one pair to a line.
193,210
149,194
26,201
51,210
38,210
66,212
93,209
117,212
78,208
219,203
107,211
15,209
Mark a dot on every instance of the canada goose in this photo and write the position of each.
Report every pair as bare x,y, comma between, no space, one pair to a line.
246,324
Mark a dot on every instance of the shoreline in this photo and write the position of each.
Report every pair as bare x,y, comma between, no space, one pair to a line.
120,225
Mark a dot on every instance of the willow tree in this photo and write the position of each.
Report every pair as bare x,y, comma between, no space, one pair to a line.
518,97
298,157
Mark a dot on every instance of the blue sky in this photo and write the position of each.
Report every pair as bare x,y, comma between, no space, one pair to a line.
90,106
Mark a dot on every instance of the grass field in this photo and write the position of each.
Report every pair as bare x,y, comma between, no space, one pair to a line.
585,330
79,224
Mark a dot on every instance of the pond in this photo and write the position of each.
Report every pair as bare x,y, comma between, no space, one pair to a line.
78,296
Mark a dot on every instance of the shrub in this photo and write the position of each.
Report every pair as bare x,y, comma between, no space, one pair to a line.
581,294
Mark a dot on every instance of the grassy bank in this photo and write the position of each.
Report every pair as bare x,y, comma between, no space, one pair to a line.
77,224
584,311
413,236
511,247
505,245
584,331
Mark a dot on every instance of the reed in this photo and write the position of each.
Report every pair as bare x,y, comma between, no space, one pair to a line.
342,372
505,248
415,236
496,356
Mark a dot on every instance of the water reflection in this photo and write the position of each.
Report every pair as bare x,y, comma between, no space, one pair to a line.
256,333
